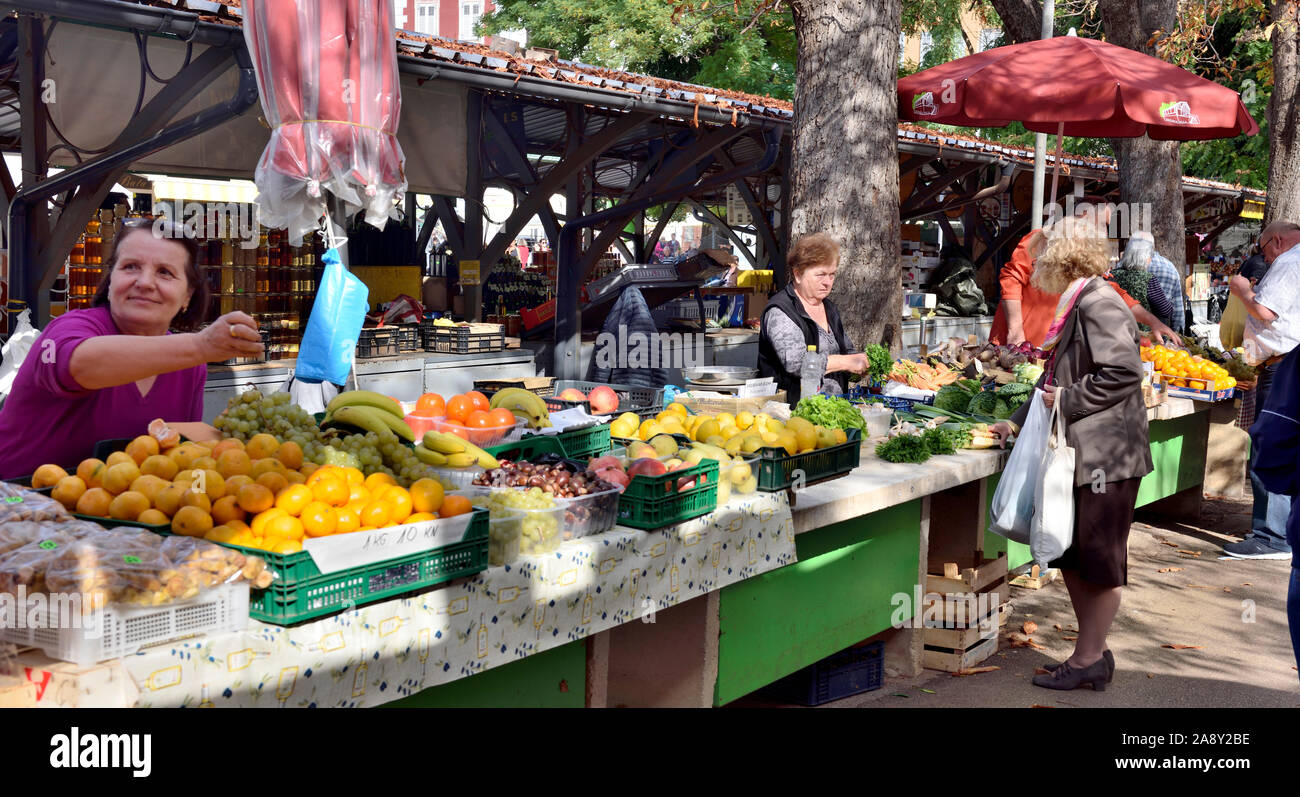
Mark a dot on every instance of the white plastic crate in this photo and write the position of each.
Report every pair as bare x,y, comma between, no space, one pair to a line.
122,630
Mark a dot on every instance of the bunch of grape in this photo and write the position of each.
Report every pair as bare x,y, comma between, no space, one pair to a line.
252,413
373,454
539,528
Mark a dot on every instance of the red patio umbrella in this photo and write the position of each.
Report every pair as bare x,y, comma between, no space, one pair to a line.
327,75
1076,87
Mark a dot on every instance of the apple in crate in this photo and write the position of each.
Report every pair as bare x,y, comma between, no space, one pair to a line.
685,484
603,400
647,466
641,450
572,394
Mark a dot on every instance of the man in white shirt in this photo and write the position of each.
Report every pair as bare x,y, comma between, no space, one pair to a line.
1272,331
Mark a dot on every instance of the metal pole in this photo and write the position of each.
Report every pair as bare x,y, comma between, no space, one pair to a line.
1040,140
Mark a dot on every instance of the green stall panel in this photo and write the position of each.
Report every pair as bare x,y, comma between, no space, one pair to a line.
1178,449
994,544
554,679
839,593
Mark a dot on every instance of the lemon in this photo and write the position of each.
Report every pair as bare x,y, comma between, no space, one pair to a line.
706,429
745,420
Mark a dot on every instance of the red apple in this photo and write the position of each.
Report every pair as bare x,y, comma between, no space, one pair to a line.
647,467
572,394
603,400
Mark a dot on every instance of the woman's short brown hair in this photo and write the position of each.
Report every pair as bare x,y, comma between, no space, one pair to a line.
196,312
814,249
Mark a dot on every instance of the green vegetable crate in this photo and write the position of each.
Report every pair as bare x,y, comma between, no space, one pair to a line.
582,443
300,592
652,502
776,468
528,447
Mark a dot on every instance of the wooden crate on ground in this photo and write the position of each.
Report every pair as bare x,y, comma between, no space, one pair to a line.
964,607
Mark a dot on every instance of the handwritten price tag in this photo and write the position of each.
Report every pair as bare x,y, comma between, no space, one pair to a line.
343,551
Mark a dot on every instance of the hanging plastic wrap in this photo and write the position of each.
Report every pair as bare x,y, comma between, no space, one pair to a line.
327,74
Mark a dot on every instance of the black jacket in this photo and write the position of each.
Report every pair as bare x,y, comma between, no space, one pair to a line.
769,361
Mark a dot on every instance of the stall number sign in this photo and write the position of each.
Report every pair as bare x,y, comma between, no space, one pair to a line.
469,273
343,551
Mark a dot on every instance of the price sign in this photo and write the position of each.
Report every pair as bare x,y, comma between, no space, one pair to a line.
343,551
469,273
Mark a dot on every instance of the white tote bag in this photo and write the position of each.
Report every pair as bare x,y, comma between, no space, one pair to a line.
1011,512
1053,525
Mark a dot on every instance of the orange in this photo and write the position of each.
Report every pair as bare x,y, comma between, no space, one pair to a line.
128,506
118,477
479,419
149,486
153,517
91,471
94,501
455,427
233,483
358,494
459,408
267,465
169,499
430,404
68,491
319,519
205,463
426,496
374,480
348,519
229,444
376,514
331,491
454,505
293,477
195,499
48,476
287,547
191,521
308,468
117,458
220,534
501,417
289,528
213,484
479,400
420,517
273,482
400,501
322,472
161,466
262,446
366,528
185,454
234,462
293,499
165,435
290,455
255,498
258,526
227,509
354,476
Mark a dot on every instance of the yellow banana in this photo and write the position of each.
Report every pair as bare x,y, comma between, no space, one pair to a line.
430,457
368,418
365,398
399,426
524,404
444,443
460,460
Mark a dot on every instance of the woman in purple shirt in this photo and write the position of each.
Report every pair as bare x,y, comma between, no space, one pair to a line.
106,372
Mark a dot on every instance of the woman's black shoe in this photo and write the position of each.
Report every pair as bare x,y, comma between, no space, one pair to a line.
1110,665
1066,677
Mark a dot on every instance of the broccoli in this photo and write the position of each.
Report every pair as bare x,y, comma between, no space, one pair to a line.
952,398
983,403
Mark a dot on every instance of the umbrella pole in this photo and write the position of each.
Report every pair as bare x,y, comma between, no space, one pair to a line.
1040,140
1056,159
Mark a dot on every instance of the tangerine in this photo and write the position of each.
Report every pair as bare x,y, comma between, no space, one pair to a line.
293,499
479,400
128,506
274,482
258,526
430,404
168,499
227,509
330,491
229,444
153,517
191,521
426,496
68,491
95,501
376,514
255,498
319,519
354,476
194,498
400,501
348,519
234,462
290,455
163,467
453,505
376,479
117,458
91,471
262,446
502,418
459,408
48,476
149,486
118,477
284,527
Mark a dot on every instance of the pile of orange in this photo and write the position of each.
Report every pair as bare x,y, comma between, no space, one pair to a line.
1181,369
469,416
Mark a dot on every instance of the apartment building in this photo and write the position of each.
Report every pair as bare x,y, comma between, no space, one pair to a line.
448,19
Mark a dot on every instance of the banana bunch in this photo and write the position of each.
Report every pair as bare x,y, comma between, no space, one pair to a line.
369,411
526,405
447,450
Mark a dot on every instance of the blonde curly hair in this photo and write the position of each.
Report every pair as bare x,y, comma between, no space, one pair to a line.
1068,250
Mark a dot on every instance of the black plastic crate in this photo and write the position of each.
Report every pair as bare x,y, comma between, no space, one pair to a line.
462,339
644,401
852,671
377,342
408,337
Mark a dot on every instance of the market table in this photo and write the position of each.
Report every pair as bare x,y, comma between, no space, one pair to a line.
778,589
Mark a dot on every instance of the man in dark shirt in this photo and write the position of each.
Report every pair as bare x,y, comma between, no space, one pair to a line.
1255,266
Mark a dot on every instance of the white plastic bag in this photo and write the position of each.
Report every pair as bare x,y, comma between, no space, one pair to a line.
1012,511
15,351
1053,525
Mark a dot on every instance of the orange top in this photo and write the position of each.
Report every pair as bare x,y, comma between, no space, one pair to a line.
1036,307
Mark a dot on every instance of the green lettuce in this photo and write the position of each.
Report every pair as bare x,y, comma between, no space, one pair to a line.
832,412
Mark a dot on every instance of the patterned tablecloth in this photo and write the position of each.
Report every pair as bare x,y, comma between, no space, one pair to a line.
387,651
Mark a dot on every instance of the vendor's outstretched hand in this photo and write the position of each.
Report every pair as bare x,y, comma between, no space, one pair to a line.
1003,431
230,336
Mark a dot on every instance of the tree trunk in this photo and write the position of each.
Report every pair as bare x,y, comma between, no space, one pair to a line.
1283,203
1022,20
844,169
1150,172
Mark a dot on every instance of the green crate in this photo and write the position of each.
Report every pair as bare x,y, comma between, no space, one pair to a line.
25,482
776,468
530,446
582,443
652,502
110,523
307,594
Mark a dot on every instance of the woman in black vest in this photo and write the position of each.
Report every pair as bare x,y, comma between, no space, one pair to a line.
801,316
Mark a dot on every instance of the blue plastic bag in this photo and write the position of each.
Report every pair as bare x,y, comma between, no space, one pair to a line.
329,343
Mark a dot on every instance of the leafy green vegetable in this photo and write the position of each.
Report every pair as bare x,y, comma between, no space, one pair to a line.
832,412
942,441
1027,373
953,398
984,403
904,448
879,363
1012,389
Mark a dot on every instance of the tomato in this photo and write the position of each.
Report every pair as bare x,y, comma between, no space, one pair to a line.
454,427
430,404
480,401
478,419
459,408
502,417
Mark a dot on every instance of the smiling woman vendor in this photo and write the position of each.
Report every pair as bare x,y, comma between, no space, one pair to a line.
107,371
